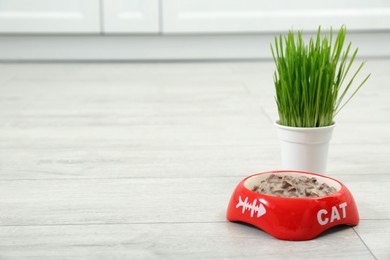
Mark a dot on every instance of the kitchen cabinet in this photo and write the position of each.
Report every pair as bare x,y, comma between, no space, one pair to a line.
130,16
79,16
253,16
188,16
179,29
49,16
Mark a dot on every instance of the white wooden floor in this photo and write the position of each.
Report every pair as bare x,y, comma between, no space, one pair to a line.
138,161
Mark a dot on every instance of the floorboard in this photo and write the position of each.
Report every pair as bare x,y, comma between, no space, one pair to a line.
139,160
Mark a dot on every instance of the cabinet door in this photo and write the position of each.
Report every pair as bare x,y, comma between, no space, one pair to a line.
49,16
207,16
131,16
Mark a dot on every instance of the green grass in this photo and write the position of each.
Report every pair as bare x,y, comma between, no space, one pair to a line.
310,78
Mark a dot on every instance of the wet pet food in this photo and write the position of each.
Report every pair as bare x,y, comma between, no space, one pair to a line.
293,187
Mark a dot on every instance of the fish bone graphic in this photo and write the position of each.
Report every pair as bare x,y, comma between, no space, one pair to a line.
252,207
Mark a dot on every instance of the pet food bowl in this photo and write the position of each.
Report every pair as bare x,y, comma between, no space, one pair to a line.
292,218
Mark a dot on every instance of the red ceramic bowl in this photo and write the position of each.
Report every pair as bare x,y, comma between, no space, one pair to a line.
292,218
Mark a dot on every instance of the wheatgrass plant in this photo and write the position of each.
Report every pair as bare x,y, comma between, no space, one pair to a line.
309,78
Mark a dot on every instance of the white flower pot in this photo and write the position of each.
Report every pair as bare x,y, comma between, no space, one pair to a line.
304,148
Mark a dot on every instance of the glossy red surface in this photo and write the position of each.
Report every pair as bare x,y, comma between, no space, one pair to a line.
292,218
